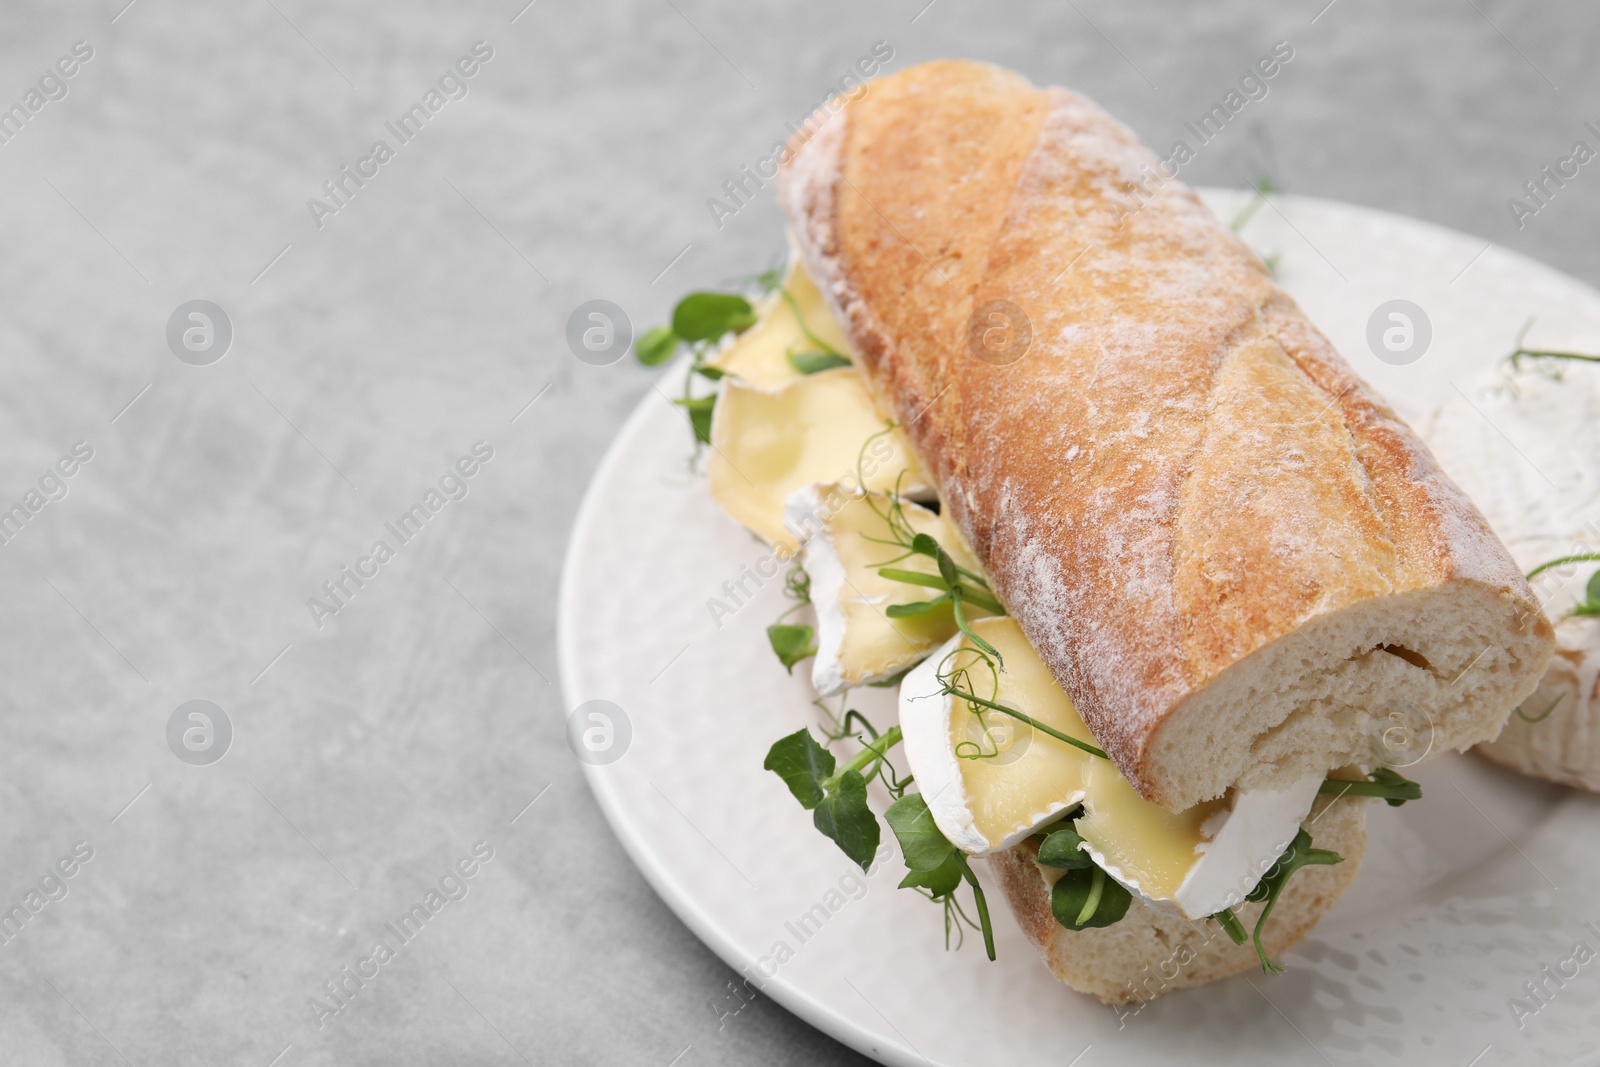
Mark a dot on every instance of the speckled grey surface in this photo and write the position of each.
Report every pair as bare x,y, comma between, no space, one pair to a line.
372,753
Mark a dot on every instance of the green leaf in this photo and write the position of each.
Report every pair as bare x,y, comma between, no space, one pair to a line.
921,843
1592,590
791,643
711,374
1063,849
812,362
1383,782
700,409
707,316
918,607
1298,854
844,816
656,346
924,545
941,881
947,569
1230,925
927,581
1088,897
978,900
803,765
966,628
1401,788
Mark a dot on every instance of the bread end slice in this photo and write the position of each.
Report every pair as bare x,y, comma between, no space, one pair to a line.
1390,680
1152,950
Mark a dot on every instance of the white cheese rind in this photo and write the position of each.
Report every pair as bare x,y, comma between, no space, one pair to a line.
924,726
845,539
1261,825
827,574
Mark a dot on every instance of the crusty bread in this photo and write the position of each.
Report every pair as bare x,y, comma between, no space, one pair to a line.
1234,557
1564,745
1152,950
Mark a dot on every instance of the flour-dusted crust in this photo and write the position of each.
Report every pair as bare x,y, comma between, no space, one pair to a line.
1235,558
1151,950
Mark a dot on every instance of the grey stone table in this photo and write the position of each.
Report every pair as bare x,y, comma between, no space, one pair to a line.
397,322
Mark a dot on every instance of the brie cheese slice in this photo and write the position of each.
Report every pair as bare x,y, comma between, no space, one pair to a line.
765,444
990,781
846,538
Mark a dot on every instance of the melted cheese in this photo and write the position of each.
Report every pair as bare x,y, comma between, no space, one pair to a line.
765,444
760,355
1201,860
847,539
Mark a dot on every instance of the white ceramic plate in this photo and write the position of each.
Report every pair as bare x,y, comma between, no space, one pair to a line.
1463,897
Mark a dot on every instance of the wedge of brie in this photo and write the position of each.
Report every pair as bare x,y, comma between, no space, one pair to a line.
817,429
846,539
760,355
990,781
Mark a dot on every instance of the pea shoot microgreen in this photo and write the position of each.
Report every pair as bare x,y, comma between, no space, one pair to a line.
1084,897
1299,854
837,797
957,585
1087,897
700,321
812,362
822,355
1062,848
1590,604
1264,187
956,678
1520,352
1543,715
793,642
1231,925
1383,782
936,865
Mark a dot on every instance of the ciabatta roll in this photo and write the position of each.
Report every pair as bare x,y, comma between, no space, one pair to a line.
1230,552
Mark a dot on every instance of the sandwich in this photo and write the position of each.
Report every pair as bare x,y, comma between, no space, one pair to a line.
1539,495
1163,590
